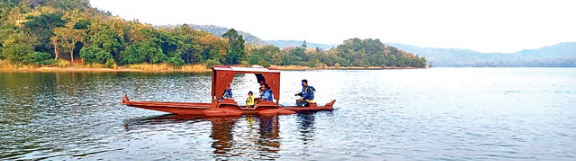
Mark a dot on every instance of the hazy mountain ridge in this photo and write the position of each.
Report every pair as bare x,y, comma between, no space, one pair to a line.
219,31
559,55
254,40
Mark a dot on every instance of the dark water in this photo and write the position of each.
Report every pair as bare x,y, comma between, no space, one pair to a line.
432,114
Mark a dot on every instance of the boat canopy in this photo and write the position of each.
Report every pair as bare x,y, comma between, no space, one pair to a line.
223,76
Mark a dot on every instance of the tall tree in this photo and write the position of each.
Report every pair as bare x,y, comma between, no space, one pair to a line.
42,26
67,38
237,52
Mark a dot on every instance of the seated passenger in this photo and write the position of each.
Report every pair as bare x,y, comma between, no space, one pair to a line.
227,93
307,95
259,98
250,100
267,94
262,89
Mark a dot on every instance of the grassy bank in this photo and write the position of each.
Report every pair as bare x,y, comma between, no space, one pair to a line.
67,66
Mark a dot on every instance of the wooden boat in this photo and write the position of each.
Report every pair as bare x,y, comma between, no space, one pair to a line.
221,77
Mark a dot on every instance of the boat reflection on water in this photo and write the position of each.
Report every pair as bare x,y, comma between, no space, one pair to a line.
269,134
306,127
246,137
262,131
222,133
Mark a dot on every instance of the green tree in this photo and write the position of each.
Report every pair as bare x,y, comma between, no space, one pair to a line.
17,52
95,54
82,24
66,38
236,42
371,52
17,46
107,40
190,47
69,4
263,55
140,52
42,27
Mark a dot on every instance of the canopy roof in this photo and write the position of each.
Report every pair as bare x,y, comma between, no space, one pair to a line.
222,76
245,69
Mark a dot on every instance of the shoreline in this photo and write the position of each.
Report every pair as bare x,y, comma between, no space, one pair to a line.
292,67
85,69
195,69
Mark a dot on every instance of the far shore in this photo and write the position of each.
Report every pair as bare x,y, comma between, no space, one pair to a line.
293,67
160,68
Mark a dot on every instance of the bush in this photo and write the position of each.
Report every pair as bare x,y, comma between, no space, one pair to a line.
39,58
309,64
62,63
177,61
94,54
82,24
131,56
140,52
158,57
18,53
244,63
264,63
253,59
212,62
110,63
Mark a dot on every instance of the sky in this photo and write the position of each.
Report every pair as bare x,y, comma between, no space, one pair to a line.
481,25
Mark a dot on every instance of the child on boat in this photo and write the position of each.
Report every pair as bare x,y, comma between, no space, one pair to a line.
250,100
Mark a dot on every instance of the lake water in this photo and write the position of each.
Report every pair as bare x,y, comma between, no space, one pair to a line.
419,114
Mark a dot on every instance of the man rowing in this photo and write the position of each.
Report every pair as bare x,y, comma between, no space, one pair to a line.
307,95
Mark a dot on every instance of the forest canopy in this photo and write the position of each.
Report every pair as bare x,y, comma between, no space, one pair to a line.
43,32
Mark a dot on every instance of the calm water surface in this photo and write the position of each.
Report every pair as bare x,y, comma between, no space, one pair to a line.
428,114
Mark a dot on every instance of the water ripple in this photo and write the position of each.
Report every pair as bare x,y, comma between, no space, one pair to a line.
434,114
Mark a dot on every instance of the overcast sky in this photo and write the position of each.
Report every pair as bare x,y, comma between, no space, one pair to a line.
482,25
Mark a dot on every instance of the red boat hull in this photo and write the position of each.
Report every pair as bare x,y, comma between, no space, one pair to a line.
224,108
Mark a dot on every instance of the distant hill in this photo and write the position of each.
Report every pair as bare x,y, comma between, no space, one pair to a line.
219,31
560,55
289,43
251,39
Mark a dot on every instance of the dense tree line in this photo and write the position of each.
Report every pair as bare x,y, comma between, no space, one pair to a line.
44,31
353,52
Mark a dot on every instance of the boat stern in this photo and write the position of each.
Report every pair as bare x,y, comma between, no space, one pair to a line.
331,103
125,100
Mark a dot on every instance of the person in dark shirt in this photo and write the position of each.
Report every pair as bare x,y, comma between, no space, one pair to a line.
307,94
227,93
267,94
